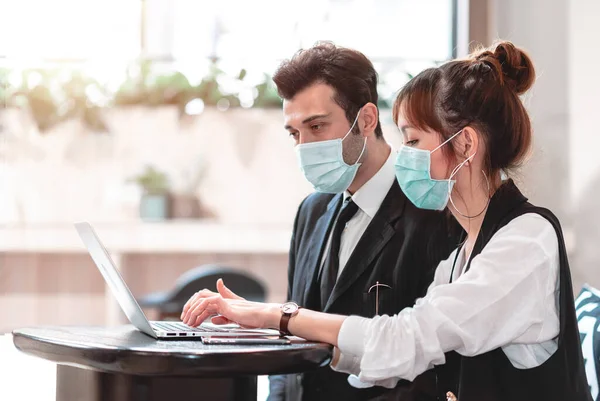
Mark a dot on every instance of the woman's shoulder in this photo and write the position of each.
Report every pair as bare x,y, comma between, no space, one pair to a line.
529,230
530,220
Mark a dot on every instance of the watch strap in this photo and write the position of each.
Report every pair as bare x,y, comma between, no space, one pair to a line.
283,324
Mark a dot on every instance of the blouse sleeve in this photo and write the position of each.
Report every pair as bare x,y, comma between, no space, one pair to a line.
502,299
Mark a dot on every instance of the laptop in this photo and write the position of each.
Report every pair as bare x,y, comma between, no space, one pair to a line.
161,330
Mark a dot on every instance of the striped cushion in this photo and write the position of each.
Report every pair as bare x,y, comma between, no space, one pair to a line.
588,317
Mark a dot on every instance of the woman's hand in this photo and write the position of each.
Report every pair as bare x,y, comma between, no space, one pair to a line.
225,306
229,307
200,295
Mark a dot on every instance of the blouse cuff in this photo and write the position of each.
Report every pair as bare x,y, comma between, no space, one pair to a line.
345,363
351,339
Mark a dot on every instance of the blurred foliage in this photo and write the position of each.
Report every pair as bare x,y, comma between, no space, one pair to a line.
54,95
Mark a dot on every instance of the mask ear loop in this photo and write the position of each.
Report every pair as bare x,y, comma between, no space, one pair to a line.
447,140
450,191
365,142
362,151
352,126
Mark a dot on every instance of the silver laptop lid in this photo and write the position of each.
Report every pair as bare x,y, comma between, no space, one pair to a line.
113,278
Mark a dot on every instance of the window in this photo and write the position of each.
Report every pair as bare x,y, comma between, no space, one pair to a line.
70,29
401,37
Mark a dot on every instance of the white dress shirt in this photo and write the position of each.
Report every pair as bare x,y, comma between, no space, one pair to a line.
508,298
368,198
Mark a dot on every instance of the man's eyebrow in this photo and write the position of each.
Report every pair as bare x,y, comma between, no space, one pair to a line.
309,119
315,117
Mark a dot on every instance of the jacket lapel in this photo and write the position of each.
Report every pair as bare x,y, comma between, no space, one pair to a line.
314,252
376,236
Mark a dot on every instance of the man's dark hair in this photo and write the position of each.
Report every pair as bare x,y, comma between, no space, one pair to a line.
347,71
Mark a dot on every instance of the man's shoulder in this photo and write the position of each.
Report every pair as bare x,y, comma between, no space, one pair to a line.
316,203
311,209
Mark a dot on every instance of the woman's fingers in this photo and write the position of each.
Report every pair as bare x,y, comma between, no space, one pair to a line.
199,316
195,311
193,305
194,301
227,310
199,296
187,305
205,308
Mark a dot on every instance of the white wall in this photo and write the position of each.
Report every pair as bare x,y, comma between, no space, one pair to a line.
584,108
564,172
540,26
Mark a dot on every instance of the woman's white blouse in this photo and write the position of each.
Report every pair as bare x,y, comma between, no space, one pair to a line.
508,298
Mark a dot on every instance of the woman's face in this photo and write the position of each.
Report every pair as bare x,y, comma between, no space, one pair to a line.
426,140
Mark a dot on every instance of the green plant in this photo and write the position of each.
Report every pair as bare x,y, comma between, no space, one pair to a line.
53,95
152,181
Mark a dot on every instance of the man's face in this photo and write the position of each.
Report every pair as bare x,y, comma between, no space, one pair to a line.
313,115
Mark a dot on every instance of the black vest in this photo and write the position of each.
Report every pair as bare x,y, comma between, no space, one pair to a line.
491,376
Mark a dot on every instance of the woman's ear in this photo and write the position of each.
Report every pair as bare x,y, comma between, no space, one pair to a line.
469,143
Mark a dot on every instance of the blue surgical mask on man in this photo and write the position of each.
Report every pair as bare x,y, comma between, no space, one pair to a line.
413,172
323,164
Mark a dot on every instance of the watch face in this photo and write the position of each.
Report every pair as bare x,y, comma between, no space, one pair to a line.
289,307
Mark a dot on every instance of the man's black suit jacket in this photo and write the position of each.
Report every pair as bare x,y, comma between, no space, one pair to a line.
401,247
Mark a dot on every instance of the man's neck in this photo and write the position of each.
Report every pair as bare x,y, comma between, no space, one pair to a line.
376,157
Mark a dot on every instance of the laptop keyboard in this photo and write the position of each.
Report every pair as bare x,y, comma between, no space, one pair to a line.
175,326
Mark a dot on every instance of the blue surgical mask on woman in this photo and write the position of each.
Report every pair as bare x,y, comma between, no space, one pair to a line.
413,172
323,164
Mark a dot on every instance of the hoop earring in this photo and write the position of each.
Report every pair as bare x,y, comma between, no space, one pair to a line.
486,205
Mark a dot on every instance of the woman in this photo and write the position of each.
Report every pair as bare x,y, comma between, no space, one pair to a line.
498,322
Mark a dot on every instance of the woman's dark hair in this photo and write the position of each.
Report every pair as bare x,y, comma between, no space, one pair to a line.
481,91
349,72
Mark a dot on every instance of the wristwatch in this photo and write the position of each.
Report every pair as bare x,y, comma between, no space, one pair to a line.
288,310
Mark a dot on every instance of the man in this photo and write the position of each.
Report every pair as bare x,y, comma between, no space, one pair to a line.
358,246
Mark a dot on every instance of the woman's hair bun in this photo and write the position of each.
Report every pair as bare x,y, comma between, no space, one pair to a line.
512,65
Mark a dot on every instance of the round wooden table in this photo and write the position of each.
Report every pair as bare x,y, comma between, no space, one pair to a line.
122,363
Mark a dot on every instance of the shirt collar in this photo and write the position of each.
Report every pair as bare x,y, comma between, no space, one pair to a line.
370,196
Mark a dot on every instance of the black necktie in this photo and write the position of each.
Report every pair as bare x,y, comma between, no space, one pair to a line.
332,261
